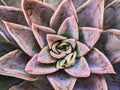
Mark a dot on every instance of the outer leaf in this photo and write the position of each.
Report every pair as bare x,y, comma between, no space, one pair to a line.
14,3
24,37
98,63
41,84
13,64
90,14
37,12
113,21
109,43
94,82
10,14
62,81
90,35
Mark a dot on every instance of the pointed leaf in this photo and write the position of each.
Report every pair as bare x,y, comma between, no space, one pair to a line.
45,57
79,69
13,64
65,9
90,35
53,3
57,56
94,82
69,28
62,81
41,84
98,63
72,42
14,3
53,38
35,67
24,37
10,14
82,49
90,14
113,21
109,43
37,12
40,33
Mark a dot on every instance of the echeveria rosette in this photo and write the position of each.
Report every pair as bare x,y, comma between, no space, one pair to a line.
61,45
66,39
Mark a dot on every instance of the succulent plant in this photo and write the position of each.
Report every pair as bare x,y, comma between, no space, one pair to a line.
62,41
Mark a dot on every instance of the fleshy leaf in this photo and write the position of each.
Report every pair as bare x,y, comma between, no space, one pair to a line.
24,37
10,14
79,69
64,10
98,63
57,56
62,81
72,42
45,57
53,38
69,28
113,21
41,84
14,3
37,12
40,33
89,35
94,82
109,43
53,3
35,67
13,64
82,49
90,14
